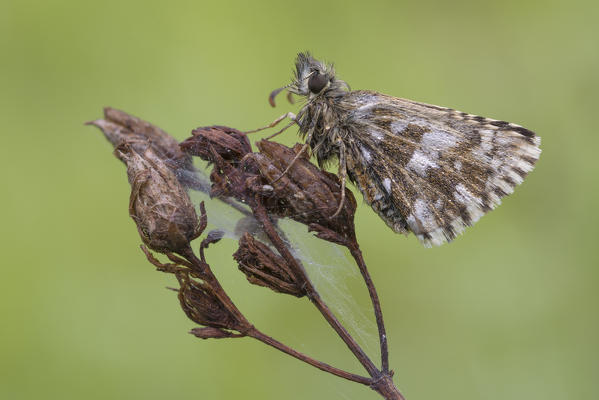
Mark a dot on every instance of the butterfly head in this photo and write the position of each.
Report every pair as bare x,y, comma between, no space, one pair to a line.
311,76
312,79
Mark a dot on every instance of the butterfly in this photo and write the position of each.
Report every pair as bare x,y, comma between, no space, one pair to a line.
424,169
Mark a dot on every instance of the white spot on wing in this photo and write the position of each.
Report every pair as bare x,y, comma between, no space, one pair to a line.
366,153
437,238
438,140
463,195
437,137
387,185
425,215
367,100
377,135
420,161
432,144
398,126
472,203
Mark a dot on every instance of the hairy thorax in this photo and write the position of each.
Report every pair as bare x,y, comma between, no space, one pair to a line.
321,124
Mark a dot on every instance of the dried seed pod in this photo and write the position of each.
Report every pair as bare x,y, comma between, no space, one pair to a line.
165,217
263,267
203,306
224,147
230,144
304,193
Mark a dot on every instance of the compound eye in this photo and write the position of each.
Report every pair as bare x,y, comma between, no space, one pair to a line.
317,82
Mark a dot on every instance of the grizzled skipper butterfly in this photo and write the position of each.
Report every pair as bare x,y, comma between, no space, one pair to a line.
424,169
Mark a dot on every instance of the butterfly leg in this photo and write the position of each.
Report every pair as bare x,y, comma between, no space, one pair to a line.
281,131
304,147
342,176
274,123
297,156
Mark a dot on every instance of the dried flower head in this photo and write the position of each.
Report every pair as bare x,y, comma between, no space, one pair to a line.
263,267
165,217
228,143
304,193
202,305
225,148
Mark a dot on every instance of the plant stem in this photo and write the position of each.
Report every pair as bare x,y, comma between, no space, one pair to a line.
378,313
262,217
385,387
256,334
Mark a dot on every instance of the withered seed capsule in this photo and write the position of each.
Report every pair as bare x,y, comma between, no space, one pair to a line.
165,217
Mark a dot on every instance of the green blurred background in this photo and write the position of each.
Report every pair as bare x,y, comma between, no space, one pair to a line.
509,310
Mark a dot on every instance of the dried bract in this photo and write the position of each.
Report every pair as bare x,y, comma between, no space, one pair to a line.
212,333
120,127
263,267
165,217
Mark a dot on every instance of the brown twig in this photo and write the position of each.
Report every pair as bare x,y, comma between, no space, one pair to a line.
256,334
269,229
354,249
376,305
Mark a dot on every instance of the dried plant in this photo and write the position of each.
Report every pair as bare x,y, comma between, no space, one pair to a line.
160,172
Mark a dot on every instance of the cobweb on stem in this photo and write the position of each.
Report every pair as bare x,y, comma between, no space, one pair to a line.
328,264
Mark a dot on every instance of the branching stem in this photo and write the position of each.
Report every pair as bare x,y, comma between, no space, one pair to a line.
269,229
256,334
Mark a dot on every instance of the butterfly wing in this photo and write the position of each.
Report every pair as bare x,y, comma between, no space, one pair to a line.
432,170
